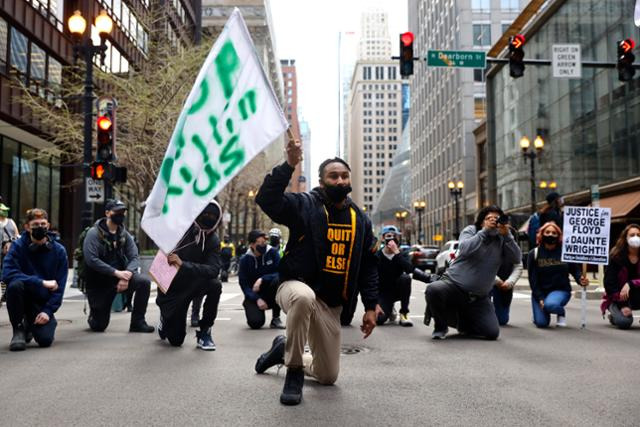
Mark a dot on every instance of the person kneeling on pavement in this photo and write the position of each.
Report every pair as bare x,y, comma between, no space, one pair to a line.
258,278
460,298
111,258
35,269
395,282
197,258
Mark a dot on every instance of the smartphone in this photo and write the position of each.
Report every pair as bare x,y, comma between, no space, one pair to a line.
503,219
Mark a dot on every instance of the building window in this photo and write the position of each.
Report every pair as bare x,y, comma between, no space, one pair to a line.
505,26
511,5
4,40
481,5
478,75
366,73
19,51
482,35
392,73
479,107
379,73
38,68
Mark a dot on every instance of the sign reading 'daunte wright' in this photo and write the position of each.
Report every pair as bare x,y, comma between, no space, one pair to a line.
586,235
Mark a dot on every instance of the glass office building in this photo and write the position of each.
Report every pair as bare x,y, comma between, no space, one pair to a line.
590,125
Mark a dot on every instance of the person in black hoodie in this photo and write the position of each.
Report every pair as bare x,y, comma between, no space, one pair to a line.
258,278
197,258
329,258
395,282
112,263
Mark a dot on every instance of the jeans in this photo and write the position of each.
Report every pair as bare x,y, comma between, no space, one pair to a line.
554,303
23,305
255,316
501,304
618,319
401,291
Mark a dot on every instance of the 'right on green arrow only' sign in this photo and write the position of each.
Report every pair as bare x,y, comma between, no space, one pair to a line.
456,58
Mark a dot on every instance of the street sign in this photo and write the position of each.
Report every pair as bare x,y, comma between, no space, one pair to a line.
456,58
566,61
94,191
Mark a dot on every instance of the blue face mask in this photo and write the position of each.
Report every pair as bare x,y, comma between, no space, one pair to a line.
261,249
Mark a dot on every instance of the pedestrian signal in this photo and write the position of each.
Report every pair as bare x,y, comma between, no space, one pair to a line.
516,56
625,60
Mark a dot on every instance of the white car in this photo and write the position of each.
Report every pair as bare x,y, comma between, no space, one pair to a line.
446,255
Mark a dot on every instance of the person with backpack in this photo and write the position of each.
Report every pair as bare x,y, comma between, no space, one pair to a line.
551,212
460,298
549,277
197,258
112,265
35,270
258,279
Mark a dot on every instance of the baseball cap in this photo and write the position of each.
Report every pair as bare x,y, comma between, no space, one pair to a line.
114,205
551,197
255,234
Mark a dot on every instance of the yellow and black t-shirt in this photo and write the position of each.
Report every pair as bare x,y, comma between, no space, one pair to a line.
340,239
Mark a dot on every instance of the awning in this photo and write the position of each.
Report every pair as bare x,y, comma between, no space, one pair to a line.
622,204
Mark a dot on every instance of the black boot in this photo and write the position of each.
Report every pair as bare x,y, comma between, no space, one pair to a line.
292,391
18,342
275,355
141,326
276,323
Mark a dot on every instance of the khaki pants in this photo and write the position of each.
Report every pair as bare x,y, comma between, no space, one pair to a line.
309,318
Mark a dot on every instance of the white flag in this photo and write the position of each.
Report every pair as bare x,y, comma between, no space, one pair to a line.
636,14
230,116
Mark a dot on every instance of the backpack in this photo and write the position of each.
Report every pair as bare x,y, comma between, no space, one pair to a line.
78,255
534,226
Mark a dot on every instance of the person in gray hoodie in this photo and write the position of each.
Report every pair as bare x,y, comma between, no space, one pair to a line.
460,298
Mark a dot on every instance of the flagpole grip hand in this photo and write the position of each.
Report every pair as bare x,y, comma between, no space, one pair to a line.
294,150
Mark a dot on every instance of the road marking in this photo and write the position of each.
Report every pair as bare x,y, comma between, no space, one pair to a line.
227,296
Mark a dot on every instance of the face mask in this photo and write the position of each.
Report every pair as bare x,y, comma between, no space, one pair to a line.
117,219
261,249
206,222
38,233
393,239
337,193
549,240
274,241
634,241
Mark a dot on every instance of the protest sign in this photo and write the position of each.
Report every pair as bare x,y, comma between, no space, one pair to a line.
585,235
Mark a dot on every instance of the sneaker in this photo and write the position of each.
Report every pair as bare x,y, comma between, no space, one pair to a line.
275,355
161,334
561,322
276,323
205,342
141,327
292,391
18,341
394,315
404,320
439,335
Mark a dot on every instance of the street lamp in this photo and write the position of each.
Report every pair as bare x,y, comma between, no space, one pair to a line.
85,48
419,207
455,188
401,216
532,154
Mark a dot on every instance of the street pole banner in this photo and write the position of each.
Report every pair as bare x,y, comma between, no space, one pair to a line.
586,235
231,115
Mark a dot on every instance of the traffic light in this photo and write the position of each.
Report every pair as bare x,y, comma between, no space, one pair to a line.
406,54
516,56
625,60
100,170
104,151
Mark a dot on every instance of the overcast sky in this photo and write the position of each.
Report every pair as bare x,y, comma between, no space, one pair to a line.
307,31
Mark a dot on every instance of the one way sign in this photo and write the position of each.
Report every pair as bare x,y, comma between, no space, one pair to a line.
94,191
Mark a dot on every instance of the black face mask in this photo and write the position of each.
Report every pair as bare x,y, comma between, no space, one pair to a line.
549,240
117,219
337,193
261,249
38,233
393,239
274,241
206,222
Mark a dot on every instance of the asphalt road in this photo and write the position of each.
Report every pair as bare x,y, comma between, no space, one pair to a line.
528,377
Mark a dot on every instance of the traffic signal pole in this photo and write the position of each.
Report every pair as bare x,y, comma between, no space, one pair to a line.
588,64
87,212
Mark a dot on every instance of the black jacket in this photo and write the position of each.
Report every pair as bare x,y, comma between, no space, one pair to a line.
104,253
199,263
304,215
390,269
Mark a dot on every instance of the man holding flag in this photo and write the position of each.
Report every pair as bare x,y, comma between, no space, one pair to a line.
330,257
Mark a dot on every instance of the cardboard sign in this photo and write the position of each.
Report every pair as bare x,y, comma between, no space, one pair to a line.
585,235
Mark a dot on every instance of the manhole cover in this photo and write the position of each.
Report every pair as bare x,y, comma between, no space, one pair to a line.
354,349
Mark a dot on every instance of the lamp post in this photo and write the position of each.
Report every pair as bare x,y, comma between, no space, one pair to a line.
419,207
401,216
85,48
455,188
532,154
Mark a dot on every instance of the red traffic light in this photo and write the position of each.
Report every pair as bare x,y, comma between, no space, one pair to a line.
407,38
627,45
104,123
517,41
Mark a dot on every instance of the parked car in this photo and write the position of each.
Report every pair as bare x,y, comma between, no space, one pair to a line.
446,255
424,257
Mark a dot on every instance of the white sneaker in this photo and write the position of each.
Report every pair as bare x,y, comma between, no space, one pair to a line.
561,322
393,315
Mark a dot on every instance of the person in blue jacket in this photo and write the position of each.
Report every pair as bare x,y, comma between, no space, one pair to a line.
258,277
35,270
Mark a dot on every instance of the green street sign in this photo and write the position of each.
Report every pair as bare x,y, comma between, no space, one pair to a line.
456,58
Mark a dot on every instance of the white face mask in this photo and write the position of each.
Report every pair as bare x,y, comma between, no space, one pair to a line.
634,241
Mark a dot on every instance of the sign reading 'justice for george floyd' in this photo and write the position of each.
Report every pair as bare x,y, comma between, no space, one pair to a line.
585,235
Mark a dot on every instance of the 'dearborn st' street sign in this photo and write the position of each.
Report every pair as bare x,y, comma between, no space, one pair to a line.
456,58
